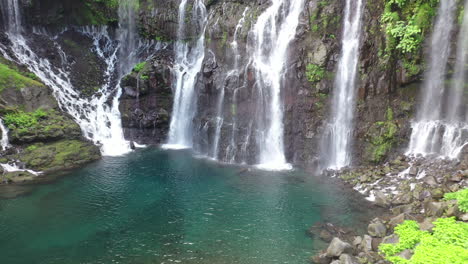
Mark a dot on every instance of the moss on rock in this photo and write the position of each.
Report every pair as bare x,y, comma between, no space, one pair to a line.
28,127
60,155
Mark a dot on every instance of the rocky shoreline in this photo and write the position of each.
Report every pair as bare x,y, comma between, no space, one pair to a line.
407,189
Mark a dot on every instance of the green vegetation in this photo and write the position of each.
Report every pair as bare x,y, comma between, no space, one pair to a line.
382,137
22,119
314,73
406,22
59,155
461,197
447,244
10,77
139,67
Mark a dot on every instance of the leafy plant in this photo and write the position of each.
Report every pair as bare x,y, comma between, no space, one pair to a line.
314,72
446,245
461,197
23,119
139,67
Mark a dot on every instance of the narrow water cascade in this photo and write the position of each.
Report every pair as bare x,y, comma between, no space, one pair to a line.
99,121
440,127
189,57
338,132
5,142
272,33
232,149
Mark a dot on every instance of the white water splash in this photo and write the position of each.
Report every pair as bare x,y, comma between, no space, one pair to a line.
274,30
188,64
338,134
99,121
434,133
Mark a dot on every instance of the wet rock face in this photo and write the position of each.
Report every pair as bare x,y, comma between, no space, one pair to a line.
146,102
306,99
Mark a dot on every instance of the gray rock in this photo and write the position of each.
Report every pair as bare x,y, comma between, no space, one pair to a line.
357,241
338,247
336,261
366,244
434,208
464,217
427,225
381,199
326,236
430,180
399,219
413,171
321,259
391,239
377,229
402,198
456,177
424,194
406,254
348,259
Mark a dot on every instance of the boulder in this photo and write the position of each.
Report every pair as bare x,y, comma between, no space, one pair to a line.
377,229
321,258
391,239
394,221
357,241
348,259
413,171
366,244
406,254
338,247
430,180
381,199
427,224
402,198
434,208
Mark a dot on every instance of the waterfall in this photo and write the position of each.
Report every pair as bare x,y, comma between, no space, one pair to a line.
99,121
232,73
338,132
439,130
5,142
274,30
188,63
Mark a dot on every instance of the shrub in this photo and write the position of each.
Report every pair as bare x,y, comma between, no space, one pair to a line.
314,72
461,197
139,67
23,119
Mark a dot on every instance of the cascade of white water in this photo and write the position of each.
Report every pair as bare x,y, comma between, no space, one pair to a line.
274,30
188,64
233,72
338,134
435,131
99,121
5,142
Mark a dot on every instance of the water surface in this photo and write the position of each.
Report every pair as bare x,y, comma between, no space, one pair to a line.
155,206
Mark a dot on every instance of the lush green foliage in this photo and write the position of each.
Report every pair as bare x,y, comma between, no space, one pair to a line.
314,72
139,67
22,119
10,77
448,244
406,22
461,197
383,137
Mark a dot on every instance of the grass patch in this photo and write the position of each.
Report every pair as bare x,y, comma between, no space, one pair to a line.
10,77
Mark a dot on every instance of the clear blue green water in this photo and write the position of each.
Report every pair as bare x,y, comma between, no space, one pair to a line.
155,206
